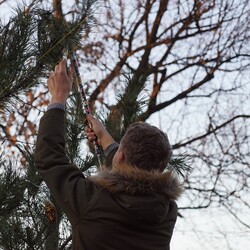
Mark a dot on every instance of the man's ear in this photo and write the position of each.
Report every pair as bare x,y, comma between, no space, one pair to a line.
121,156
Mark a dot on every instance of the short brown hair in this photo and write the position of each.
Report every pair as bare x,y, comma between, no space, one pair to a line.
146,147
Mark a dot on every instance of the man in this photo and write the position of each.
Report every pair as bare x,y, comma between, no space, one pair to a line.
128,206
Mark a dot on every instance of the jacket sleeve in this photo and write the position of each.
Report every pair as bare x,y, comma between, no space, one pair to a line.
65,181
109,152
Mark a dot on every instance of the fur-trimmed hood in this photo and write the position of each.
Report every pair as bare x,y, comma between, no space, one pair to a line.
148,196
130,180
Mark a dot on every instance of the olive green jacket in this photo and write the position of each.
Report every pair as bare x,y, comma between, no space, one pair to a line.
125,209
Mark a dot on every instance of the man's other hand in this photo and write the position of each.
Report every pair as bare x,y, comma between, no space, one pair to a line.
98,132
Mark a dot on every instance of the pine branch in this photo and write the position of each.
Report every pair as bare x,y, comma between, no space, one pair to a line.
180,164
11,188
129,105
16,71
32,43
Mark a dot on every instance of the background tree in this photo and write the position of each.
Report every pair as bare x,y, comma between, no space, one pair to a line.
182,64
196,58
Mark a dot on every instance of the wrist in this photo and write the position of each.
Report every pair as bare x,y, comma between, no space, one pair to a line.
106,140
58,100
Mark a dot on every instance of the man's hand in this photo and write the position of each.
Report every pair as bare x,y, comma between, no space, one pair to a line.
60,83
97,131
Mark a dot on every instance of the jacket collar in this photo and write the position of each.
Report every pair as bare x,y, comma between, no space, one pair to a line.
131,180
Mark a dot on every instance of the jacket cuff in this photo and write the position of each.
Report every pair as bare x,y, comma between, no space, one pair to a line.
56,106
110,148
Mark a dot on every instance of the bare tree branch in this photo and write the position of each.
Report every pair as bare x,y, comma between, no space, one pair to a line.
210,131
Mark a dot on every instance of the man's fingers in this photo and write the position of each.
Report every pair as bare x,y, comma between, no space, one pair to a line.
70,73
88,129
56,68
50,79
91,119
91,136
63,65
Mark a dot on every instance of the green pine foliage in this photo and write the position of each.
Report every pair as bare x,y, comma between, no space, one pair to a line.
23,221
16,53
75,134
180,164
11,188
19,210
130,104
33,43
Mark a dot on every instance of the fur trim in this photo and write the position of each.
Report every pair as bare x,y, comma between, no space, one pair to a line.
132,180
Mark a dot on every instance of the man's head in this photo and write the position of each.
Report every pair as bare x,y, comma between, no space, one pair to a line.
145,147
